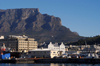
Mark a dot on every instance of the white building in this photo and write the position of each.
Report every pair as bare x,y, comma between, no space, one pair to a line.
57,47
2,37
44,53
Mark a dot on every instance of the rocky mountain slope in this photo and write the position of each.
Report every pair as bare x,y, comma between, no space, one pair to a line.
30,22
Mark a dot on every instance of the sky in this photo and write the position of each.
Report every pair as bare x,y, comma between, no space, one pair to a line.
81,16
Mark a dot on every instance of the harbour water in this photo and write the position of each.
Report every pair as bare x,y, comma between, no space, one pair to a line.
51,64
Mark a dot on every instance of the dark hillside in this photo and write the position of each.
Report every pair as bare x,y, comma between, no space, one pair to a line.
88,41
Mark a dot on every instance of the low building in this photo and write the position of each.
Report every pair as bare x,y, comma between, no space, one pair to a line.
47,53
19,43
2,37
56,46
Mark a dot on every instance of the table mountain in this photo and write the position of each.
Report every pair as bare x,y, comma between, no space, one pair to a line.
29,21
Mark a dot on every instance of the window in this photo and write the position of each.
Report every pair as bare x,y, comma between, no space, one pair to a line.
53,52
44,52
29,52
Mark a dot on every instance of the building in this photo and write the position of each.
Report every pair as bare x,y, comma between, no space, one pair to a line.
2,37
19,43
47,53
57,47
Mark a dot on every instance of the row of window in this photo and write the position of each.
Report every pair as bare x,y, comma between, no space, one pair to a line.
57,48
39,52
54,54
27,47
27,42
43,52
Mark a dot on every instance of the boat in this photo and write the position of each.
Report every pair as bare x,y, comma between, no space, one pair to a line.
2,54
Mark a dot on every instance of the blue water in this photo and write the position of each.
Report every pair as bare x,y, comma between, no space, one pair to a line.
52,64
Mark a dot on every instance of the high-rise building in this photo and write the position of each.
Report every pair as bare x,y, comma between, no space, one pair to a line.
19,43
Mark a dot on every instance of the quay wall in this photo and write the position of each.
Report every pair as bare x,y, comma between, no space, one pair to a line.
67,60
51,60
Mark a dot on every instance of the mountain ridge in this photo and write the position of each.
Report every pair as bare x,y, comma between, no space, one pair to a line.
29,21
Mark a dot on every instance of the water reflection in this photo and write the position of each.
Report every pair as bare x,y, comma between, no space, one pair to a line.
51,64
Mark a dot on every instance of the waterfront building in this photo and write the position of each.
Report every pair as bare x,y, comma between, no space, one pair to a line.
19,43
57,47
2,37
47,53
72,52
91,49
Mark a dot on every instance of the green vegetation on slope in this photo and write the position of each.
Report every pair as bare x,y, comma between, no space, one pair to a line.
88,41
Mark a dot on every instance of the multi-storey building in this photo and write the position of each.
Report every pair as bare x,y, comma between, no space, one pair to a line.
19,43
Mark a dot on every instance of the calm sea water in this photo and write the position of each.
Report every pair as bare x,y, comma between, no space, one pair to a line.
51,64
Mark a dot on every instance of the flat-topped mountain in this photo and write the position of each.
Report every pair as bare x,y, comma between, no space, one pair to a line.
30,22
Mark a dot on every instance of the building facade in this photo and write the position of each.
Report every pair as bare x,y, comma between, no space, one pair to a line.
57,47
47,53
19,43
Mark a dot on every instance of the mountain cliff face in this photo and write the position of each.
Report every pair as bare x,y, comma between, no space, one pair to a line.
31,22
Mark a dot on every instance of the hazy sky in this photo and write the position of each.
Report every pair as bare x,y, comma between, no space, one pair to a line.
82,16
